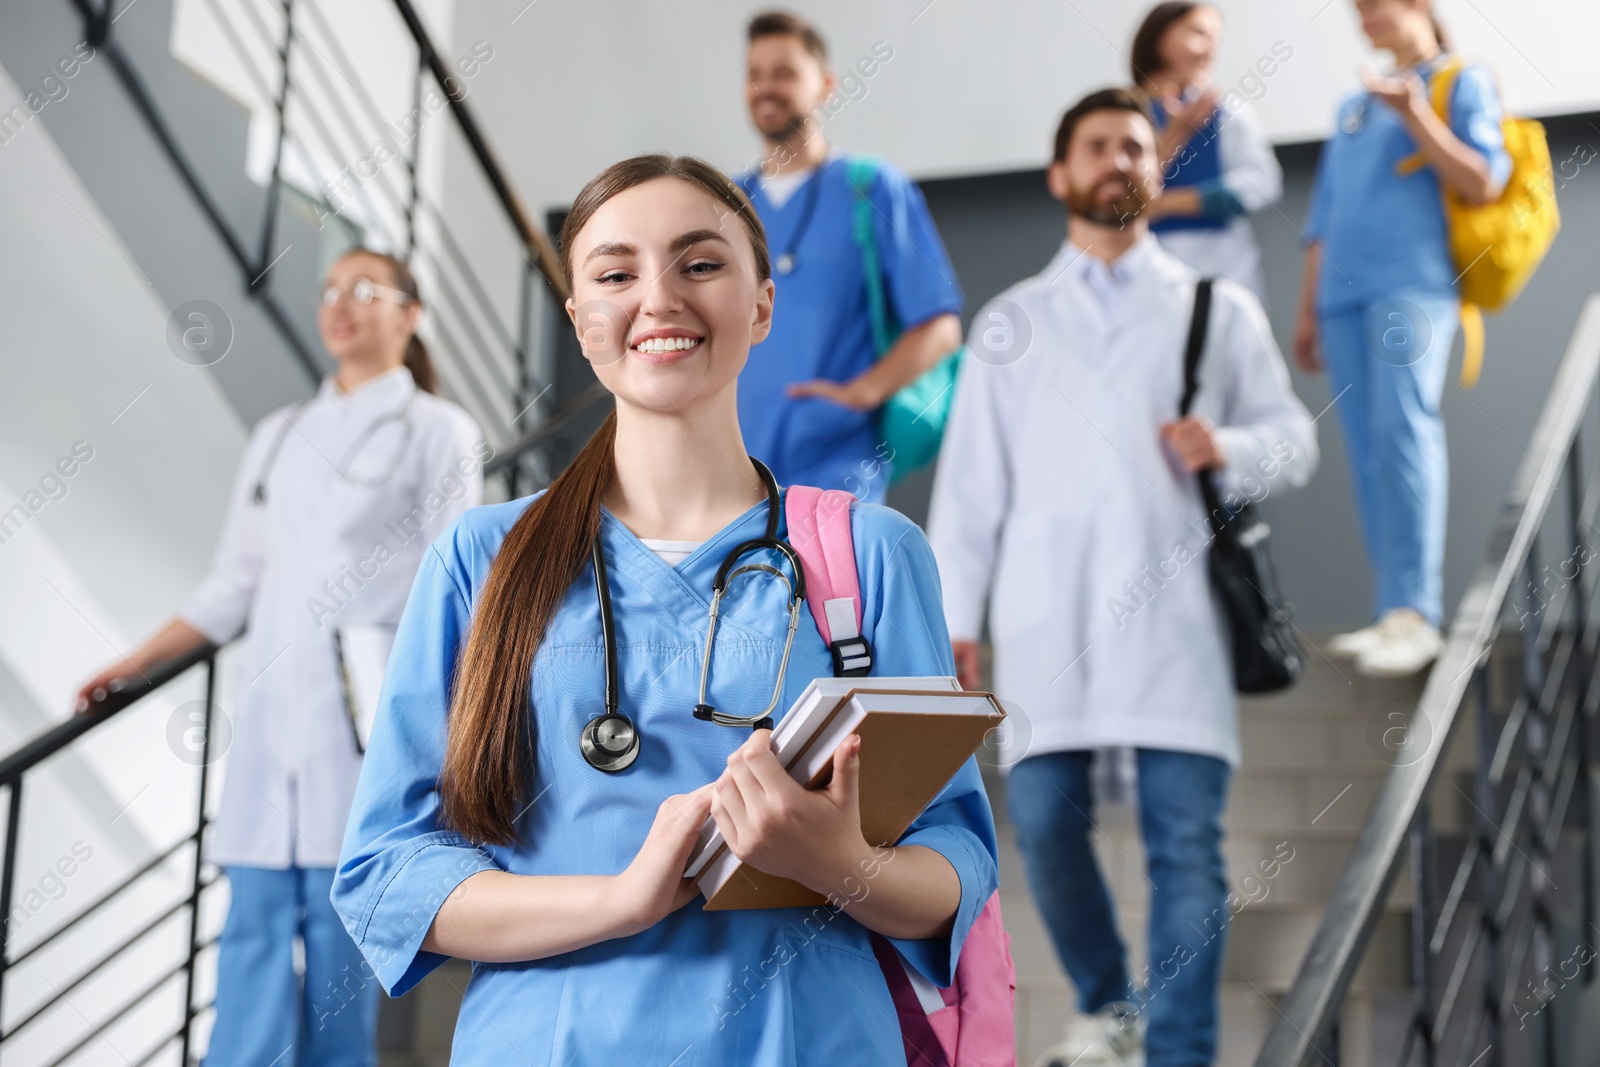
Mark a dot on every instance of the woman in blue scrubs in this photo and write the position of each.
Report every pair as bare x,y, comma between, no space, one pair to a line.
1379,307
480,830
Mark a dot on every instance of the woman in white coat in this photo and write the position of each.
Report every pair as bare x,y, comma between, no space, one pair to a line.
336,501
1218,165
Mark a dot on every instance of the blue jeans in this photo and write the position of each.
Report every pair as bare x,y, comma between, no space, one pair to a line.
265,1014
1181,796
1387,363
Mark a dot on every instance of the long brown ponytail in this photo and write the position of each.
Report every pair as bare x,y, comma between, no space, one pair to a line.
487,775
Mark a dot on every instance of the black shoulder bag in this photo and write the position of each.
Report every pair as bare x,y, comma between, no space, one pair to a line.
1266,651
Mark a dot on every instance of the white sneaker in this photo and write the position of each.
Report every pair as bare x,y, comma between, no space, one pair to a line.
1108,1038
1352,644
1406,644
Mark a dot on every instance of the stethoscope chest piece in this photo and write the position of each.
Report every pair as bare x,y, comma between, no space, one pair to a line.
609,742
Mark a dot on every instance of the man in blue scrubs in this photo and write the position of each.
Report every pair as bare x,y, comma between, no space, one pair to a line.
809,397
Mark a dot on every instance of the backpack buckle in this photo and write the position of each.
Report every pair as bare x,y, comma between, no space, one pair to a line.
852,657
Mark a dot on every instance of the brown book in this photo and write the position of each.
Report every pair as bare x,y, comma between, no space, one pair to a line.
916,733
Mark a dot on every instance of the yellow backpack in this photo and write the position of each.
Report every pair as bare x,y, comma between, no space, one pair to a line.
1496,246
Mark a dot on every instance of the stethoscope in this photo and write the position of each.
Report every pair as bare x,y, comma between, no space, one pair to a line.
402,416
785,263
610,741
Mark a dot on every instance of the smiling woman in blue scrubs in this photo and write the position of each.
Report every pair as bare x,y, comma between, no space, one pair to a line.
479,828
1378,304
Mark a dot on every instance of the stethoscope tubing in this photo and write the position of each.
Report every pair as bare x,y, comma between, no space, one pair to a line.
402,416
610,741
787,260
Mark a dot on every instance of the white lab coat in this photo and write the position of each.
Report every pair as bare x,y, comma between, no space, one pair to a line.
1058,508
352,499
1251,172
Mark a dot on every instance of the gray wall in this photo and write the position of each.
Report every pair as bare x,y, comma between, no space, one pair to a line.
1003,227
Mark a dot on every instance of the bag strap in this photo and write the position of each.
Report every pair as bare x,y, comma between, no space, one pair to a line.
1194,348
819,532
862,171
1444,82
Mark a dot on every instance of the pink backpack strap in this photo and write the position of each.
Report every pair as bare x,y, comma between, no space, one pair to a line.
987,980
970,1022
819,531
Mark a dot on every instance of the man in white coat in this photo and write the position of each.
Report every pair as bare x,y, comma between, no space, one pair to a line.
1066,503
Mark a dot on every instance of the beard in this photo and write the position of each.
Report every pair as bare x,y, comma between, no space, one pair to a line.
1086,202
786,127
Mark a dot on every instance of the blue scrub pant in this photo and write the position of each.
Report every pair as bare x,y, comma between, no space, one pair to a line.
1387,363
266,1015
1181,796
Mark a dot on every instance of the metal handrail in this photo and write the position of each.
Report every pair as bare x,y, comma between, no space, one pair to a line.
117,700
1308,1014
14,769
533,237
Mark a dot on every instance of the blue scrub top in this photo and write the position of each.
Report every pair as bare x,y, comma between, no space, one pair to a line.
1383,234
1198,165
821,327
790,986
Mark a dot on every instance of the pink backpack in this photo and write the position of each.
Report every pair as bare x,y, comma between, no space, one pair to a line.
970,1023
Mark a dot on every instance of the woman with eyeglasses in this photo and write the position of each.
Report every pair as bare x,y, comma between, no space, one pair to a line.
335,503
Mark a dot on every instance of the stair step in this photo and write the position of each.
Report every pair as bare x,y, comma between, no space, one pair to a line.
1368,1022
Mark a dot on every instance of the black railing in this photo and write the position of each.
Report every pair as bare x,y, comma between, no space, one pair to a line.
328,130
1492,930
14,772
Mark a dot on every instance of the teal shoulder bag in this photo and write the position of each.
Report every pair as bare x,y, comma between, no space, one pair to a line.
912,421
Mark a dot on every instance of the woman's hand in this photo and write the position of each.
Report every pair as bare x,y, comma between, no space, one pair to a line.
967,662
771,821
1305,342
1306,350
174,640
1460,167
1404,94
1184,120
98,688
653,886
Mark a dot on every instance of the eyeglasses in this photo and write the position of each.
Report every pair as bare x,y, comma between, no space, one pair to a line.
362,292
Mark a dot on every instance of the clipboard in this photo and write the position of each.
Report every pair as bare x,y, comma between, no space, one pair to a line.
363,653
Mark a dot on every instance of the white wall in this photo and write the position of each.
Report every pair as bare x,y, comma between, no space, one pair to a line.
973,86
